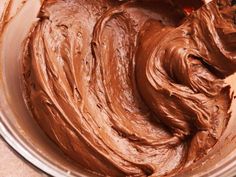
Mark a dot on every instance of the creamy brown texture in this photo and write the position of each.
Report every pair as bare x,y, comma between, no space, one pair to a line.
130,88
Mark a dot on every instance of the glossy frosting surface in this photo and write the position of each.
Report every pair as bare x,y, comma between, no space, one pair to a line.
131,88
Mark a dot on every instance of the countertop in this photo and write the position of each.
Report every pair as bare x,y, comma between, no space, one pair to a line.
13,165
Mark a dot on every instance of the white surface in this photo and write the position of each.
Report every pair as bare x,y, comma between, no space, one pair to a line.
12,165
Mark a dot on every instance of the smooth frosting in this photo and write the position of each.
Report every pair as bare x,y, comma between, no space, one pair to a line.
131,88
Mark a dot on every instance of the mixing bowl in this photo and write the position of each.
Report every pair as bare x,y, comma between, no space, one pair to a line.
20,130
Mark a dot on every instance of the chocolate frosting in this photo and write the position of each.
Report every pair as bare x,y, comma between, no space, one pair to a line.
131,88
